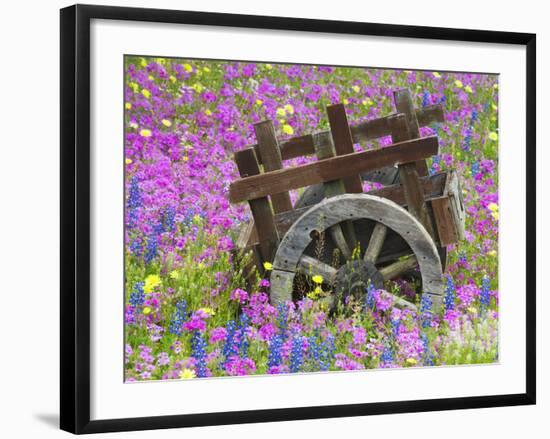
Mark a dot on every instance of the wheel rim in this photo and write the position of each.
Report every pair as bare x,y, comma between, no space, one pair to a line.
328,215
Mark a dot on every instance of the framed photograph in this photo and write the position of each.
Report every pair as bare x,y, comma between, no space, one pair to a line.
268,218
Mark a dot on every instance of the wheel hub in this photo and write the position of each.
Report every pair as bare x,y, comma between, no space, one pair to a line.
354,277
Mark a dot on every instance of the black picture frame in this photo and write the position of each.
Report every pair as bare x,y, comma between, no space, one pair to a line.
75,217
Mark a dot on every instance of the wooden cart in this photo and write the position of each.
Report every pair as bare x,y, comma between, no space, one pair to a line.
337,231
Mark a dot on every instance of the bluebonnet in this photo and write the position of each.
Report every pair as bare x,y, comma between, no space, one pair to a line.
137,297
485,295
230,347
296,354
395,324
387,355
427,356
198,352
370,300
426,310
321,351
274,357
243,339
469,131
169,218
462,258
282,320
134,202
136,247
450,294
151,248
188,216
426,98
475,168
178,318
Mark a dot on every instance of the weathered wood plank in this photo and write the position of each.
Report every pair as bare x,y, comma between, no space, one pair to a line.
343,143
258,186
271,158
444,221
360,132
343,234
432,186
408,175
404,104
261,209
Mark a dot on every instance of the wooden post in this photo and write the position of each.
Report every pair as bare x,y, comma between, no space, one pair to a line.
404,104
261,209
343,142
344,234
270,155
408,176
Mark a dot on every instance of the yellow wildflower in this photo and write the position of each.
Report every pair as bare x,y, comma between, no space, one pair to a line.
493,207
268,66
346,102
494,107
187,374
166,123
259,102
145,133
188,67
495,86
151,77
411,361
147,310
356,88
317,279
142,62
492,253
472,309
185,158
134,87
468,89
206,69
268,266
315,293
146,93
174,274
172,78
289,109
287,129
437,75
128,106
458,83
493,136
128,161
208,112
151,281
208,311
198,87
281,112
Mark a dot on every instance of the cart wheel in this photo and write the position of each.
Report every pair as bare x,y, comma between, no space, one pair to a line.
361,267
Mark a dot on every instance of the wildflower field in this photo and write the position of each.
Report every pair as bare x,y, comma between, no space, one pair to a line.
189,312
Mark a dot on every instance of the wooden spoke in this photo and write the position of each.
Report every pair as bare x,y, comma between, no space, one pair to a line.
340,240
376,243
312,267
399,267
